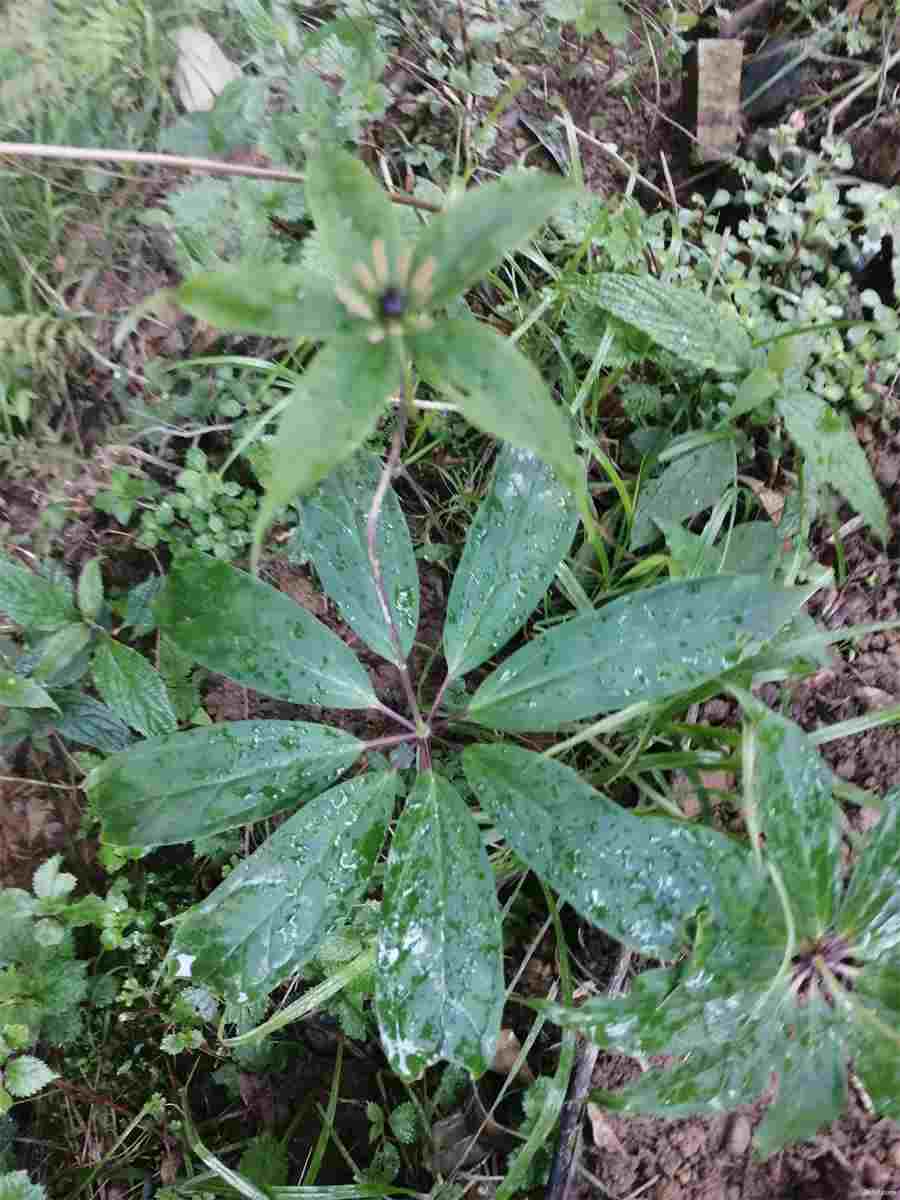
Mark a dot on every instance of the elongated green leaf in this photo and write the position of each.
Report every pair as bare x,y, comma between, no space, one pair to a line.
276,301
18,692
133,688
439,981
349,209
270,915
870,913
498,390
202,781
476,232
833,454
334,535
335,409
876,1059
690,484
791,791
523,528
86,721
636,877
90,590
31,601
648,645
683,321
60,650
235,624
812,1083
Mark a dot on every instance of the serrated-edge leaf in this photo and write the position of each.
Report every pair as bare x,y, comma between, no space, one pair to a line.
232,623
270,914
334,535
498,390
791,791
336,406
33,602
683,321
26,1075
522,530
348,207
59,651
646,646
691,483
275,301
203,781
471,236
133,688
85,720
50,882
439,981
638,878
834,455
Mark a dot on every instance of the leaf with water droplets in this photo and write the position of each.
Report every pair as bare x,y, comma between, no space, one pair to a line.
243,628
270,915
203,781
684,321
523,528
638,878
646,646
833,454
439,982
333,532
790,793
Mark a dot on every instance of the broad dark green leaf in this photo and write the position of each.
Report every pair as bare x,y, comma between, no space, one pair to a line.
683,321
203,781
333,533
474,234
133,688
812,1082
439,982
31,601
648,645
638,878
691,483
335,408
792,791
522,530
498,390
834,455
271,914
18,692
870,913
275,301
243,628
349,208
758,387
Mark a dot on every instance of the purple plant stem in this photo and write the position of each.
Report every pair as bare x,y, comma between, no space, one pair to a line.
371,534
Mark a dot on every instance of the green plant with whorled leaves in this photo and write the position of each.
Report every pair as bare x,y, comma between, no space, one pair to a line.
438,952
379,300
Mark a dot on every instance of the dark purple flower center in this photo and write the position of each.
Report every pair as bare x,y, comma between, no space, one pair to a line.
393,302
